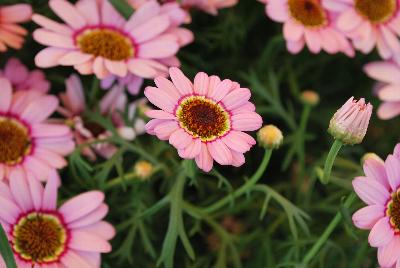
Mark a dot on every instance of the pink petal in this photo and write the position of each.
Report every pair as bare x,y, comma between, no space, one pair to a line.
142,68
383,71
201,84
99,68
51,191
52,25
390,93
50,158
193,149
220,152
392,165
181,82
246,121
370,191
348,20
292,31
375,169
37,167
366,217
388,255
74,57
20,189
91,218
158,49
388,110
15,13
236,98
44,130
277,10
89,10
102,229
9,211
150,29
81,205
204,160
53,39
180,139
5,95
49,57
168,87
119,68
147,11
36,190
221,90
237,159
68,13
40,109
381,234
160,98
159,114
85,241
72,259
235,141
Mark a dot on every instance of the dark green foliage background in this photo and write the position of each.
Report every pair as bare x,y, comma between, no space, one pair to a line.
244,45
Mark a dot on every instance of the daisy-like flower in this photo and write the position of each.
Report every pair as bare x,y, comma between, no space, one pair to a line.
388,75
370,23
350,123
308,22
113,104
27,140
379,189
177,17
97,39
11,34
22,78
205,120
42,235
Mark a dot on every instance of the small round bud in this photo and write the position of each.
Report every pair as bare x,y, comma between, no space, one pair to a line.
371,157
310,97
350,123
143,169
270,137
127,133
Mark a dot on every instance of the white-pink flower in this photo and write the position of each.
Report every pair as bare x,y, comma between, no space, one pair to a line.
42,235
97,39
370,24
22,78
380,190
28,141
112,104
204,121
388,75
308,22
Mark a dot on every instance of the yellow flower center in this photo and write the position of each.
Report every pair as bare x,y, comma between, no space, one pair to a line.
310,13
203,118
39,238
376,11
14,141
393,210
107,43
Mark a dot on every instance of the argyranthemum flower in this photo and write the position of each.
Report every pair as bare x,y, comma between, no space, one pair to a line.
27,140
370,23
112,104
42,235
177,17
11,34
350,123
205,120
22,78
388,75
379,189
308,22
97,39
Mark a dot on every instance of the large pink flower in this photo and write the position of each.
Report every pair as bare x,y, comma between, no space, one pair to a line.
308,22
97,39
42,235
380,190
11,34
204,120
23,79
370,23
177,17
388,75
27,140
112,104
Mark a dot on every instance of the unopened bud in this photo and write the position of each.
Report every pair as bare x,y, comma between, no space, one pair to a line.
270,137
310,97
143,169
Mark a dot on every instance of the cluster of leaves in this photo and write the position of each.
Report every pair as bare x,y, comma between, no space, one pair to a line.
181,217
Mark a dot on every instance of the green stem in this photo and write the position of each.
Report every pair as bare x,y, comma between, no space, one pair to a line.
330,160
5,250
244,188
301,134
328,231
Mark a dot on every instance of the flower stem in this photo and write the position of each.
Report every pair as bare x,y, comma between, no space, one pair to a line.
328,231
301,134
330,160
244,188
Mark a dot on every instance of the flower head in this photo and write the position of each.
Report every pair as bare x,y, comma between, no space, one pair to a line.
11,34
97,39
308,22
379,189
41,234
388,75
22,78
85,130
205,120
270,137
27,141
310,97
350,123
370,23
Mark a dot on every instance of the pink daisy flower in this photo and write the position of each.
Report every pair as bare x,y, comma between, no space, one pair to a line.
113,104
205,120
388,75
308,22
22,78
370,23
177,17
11,34
379,189
27,140
42,235
97,39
